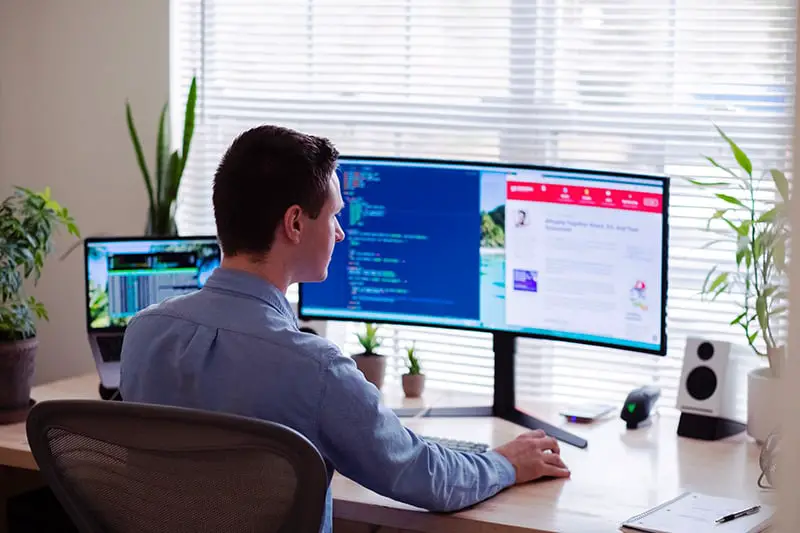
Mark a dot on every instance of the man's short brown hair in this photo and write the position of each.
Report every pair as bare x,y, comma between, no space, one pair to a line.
265,171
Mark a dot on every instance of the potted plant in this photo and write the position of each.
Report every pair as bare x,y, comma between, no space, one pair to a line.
757,232
414,379
162,186
27,222
371,363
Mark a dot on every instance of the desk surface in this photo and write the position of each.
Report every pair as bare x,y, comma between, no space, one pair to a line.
620,474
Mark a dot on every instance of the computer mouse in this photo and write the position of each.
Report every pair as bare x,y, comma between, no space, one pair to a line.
638,405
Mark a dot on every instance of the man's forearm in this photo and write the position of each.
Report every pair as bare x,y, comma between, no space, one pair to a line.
443,481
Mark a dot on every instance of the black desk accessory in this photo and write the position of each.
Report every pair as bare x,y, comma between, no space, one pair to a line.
108,393
638,405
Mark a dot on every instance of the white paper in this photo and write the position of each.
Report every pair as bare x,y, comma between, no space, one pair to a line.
697,513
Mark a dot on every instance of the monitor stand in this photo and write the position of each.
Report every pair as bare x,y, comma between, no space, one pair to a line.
504,405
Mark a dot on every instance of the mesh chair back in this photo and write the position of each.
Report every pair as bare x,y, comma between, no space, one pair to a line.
122,467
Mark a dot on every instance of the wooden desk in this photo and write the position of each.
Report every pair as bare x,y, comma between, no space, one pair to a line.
620,474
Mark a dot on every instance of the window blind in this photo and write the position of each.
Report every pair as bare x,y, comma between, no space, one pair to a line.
630,85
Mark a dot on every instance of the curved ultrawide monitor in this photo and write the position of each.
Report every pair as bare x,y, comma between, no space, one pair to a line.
552,253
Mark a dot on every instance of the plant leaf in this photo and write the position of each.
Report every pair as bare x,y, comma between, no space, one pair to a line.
738,318
740,156
743,230
173,178
188,124
761,311
722,278
139,154
722,288
722,167
709,183
715,241
719,213
740,253
708,277
730,200
768,216
162,151
781,309
781,183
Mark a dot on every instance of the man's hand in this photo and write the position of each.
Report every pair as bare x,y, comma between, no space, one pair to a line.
534,455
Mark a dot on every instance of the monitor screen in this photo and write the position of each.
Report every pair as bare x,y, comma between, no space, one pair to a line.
125,275
543,252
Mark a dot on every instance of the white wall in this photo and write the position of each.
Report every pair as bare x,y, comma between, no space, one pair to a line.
789,463
66,68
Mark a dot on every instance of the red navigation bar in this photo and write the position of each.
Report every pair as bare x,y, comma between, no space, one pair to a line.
588,196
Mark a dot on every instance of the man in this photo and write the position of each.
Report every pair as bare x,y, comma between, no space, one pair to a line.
234,346
522,218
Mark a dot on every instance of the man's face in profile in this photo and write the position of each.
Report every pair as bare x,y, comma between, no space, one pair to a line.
320,235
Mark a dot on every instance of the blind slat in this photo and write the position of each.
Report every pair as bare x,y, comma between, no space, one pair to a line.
609,84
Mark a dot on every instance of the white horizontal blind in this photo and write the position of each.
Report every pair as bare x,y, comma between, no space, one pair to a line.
614,84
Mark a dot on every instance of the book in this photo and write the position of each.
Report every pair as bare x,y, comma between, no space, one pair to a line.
698,513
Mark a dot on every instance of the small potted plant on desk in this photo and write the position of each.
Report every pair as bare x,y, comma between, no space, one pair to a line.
414,379
757,232
27,222
371,363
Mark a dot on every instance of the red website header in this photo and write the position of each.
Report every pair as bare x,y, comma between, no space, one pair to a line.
587,196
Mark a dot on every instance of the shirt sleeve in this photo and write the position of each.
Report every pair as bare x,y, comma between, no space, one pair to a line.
366,442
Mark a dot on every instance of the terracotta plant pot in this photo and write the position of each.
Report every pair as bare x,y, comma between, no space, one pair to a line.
373,367
16,376
413,385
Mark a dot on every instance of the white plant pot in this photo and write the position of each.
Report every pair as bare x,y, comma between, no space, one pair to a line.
762,415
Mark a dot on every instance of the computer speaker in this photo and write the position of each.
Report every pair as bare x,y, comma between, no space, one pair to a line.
707,390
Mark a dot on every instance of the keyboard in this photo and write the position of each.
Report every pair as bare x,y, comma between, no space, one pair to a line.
459,445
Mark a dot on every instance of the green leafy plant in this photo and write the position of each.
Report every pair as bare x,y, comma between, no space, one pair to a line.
414,368
369,340
758,230
27,222
163,185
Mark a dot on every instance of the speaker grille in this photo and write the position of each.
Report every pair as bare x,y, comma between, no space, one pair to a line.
705,351
701,383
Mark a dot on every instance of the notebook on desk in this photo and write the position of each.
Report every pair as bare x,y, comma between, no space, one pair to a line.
698,513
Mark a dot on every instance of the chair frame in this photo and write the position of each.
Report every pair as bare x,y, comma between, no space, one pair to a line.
101,420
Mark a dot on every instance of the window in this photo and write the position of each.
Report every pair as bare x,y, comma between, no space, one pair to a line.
632,85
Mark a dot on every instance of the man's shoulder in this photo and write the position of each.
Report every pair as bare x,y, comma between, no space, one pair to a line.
314,346
173,306
188,310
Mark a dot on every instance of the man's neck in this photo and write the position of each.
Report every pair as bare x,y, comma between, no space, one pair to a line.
270,272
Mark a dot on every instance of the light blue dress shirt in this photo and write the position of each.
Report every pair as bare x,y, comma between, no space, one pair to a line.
234,346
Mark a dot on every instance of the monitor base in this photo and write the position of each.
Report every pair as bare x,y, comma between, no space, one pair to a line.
504,397
515,416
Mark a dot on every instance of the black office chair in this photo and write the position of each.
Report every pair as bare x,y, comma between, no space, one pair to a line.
122,467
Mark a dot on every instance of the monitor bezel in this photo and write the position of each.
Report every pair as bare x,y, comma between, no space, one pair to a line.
128,238
662,179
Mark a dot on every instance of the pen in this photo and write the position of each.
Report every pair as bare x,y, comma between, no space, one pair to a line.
733,516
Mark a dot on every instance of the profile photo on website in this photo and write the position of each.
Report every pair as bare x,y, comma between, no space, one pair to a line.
521,218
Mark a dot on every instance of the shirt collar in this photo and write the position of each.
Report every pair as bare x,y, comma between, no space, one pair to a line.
244,283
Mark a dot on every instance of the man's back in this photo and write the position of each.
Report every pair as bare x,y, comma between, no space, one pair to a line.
234,346
222,350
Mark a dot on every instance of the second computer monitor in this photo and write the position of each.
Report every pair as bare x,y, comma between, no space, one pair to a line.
546,252
124,275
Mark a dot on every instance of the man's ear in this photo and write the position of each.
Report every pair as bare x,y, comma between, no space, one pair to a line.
293,223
